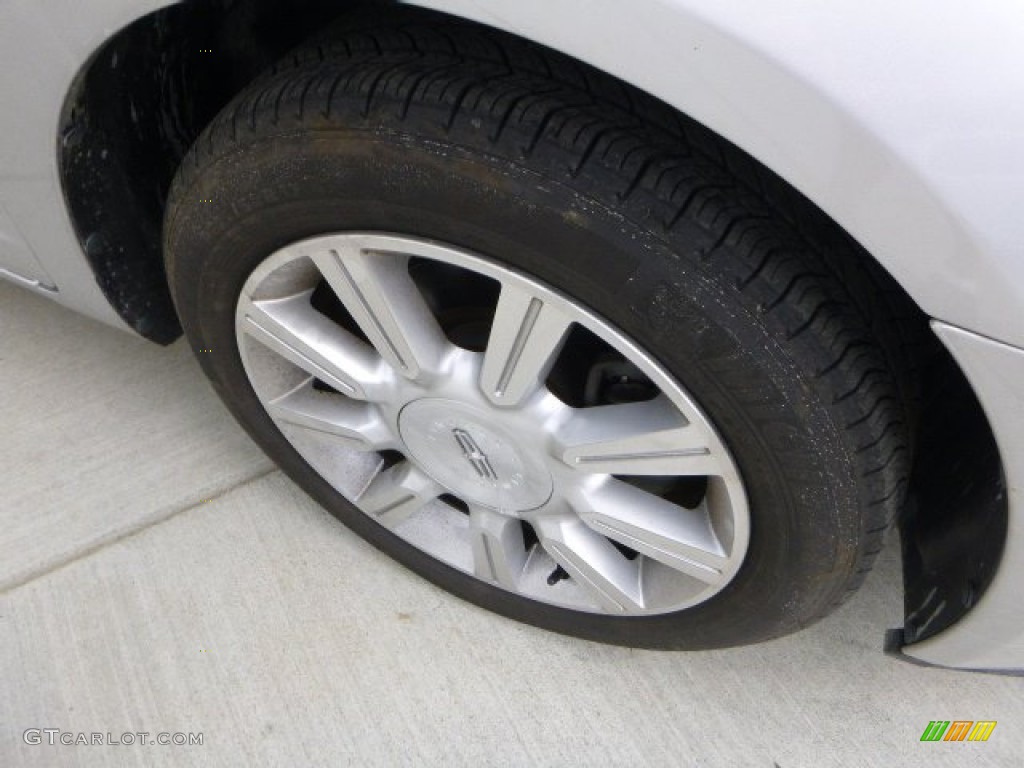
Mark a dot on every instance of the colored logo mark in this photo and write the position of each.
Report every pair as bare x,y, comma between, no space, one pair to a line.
958,730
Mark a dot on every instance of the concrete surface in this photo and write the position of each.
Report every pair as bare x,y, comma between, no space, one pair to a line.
158,575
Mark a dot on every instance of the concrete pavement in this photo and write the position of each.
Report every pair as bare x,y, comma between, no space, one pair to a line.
159,575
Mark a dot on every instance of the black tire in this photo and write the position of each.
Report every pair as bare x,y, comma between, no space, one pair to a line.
779,325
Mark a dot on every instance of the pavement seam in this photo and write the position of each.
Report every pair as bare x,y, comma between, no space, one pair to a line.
131,532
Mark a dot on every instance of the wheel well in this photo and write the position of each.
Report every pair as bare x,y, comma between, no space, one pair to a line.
954,525
134,110
147,94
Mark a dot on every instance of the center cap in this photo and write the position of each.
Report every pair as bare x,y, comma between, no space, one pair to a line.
465,450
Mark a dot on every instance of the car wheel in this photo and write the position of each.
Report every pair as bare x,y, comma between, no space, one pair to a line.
545,342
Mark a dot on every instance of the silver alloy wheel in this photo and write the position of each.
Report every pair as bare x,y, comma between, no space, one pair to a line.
468,455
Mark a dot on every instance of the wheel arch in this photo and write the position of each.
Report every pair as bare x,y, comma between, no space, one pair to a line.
129,117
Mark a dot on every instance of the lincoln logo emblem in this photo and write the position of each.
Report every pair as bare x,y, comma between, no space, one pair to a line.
476,457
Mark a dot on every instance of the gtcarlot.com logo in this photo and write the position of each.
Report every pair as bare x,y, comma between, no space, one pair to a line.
55,736
958,730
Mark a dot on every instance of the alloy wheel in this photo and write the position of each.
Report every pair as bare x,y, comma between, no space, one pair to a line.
493,423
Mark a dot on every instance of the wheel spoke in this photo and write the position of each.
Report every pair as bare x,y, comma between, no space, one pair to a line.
499,550
525,339
382,298
397,493
298,333
357,425
648,438
595,563
680,538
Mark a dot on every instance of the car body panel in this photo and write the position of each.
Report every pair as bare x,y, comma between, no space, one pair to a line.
902,121
16,257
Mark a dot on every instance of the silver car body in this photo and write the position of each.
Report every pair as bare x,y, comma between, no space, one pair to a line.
902,121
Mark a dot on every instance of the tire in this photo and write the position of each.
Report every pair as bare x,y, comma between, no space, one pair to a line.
776,328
